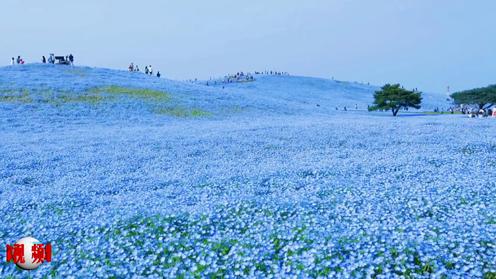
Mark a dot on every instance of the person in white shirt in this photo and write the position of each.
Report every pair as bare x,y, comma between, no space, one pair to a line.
12,62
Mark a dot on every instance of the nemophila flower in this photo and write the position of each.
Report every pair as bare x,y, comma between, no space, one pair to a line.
119,191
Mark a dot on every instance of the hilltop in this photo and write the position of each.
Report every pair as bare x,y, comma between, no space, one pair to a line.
85,90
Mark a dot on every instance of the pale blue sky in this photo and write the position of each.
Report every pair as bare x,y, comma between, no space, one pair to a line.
427,44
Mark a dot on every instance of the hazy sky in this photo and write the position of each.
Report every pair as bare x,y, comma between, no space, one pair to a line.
427,44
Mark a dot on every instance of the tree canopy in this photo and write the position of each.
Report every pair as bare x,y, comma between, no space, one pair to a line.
484,97
394,97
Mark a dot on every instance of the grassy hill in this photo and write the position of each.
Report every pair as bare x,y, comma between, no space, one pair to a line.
103,91
129,175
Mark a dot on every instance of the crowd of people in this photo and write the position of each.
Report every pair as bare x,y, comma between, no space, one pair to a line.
272,73
481,112
474,112
234,78
68,60
243,77
148,69
238,77
19,61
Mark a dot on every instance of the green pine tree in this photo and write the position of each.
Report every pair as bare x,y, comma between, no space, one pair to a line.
394,97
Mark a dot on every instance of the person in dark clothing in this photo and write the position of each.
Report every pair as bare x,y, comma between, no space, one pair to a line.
51,58
71,59
19,59
158,74
43,59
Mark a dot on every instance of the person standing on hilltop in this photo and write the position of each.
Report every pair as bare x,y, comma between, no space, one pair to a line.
19,59
51,58
158,74
43,59
71,59
150,70
146,70
12,62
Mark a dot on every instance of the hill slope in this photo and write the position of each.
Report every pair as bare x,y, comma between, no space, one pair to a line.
76,87
128,175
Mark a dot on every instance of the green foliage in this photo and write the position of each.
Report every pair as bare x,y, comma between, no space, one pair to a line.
13,96
93,96
183,112
199,113
482,97
222,248
394,97
69,98
440,112
147,94
177,112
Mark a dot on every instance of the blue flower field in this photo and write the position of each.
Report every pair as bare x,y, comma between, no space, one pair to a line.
134,176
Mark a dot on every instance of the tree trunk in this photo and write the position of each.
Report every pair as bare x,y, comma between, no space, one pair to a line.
395,111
